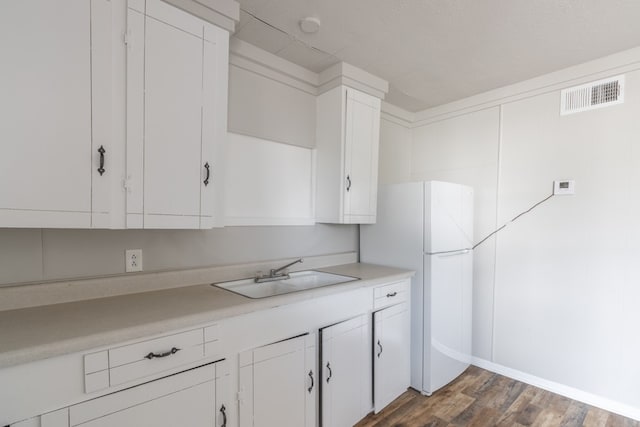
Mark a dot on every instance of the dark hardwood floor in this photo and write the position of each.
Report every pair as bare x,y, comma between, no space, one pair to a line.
482,398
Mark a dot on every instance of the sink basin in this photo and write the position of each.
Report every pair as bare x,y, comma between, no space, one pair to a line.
299,281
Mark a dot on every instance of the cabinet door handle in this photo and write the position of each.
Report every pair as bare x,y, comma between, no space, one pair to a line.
223,411
392,294
348,182
206,180
153,355
330,372
312,383
380,352
101,169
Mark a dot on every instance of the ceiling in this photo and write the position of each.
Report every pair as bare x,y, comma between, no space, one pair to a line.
436,51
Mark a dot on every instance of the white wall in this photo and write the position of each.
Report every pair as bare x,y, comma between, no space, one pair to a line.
270,111
394,151
556,293
567,275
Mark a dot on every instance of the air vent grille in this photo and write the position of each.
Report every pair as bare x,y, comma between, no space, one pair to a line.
602,93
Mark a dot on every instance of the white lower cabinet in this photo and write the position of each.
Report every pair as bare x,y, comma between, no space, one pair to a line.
278,384
189,395
310,375
391,360
345,389
197,397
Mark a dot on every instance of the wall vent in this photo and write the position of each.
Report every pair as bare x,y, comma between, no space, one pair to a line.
602,93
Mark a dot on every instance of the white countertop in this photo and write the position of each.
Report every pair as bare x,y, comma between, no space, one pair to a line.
37,333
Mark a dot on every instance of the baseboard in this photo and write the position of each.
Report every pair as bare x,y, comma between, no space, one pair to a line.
561,389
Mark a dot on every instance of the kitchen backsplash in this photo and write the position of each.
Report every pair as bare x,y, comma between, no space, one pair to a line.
33,255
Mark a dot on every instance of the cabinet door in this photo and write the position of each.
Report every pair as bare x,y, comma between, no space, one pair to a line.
48,157
174,93
344,369
173,127
214,125
59,418
223,405
167,402
275,385
362,130
392,353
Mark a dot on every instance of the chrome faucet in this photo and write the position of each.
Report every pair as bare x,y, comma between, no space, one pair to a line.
280,273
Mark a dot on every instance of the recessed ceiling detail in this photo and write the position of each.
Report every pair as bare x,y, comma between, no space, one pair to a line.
437,51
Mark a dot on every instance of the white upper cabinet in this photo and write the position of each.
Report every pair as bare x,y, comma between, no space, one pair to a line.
348,133
55,164
176,118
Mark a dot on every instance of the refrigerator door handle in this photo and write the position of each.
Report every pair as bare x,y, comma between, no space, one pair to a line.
452,253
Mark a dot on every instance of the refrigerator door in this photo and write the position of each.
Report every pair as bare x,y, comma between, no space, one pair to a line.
448,209
396,240
447,352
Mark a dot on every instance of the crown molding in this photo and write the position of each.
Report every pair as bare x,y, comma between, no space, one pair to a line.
397,115
618,63
251,58
223,13
346,74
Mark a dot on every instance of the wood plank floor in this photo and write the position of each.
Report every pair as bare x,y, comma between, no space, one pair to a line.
482,398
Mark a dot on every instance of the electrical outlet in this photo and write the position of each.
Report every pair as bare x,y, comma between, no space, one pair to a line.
564,188
133,260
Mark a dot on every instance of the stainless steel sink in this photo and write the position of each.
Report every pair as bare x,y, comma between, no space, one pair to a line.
298,281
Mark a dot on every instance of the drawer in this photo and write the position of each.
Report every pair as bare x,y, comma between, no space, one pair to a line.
393,293
145,367
150,350
149,357
142,359
213,342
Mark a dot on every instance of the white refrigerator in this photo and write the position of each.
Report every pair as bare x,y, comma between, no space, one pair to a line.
428,227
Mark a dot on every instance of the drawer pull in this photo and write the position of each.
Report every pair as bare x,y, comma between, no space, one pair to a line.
312,382
330,372
153,355
380,353
392,294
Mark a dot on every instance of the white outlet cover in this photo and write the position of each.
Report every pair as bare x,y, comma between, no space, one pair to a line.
564,187
133,260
